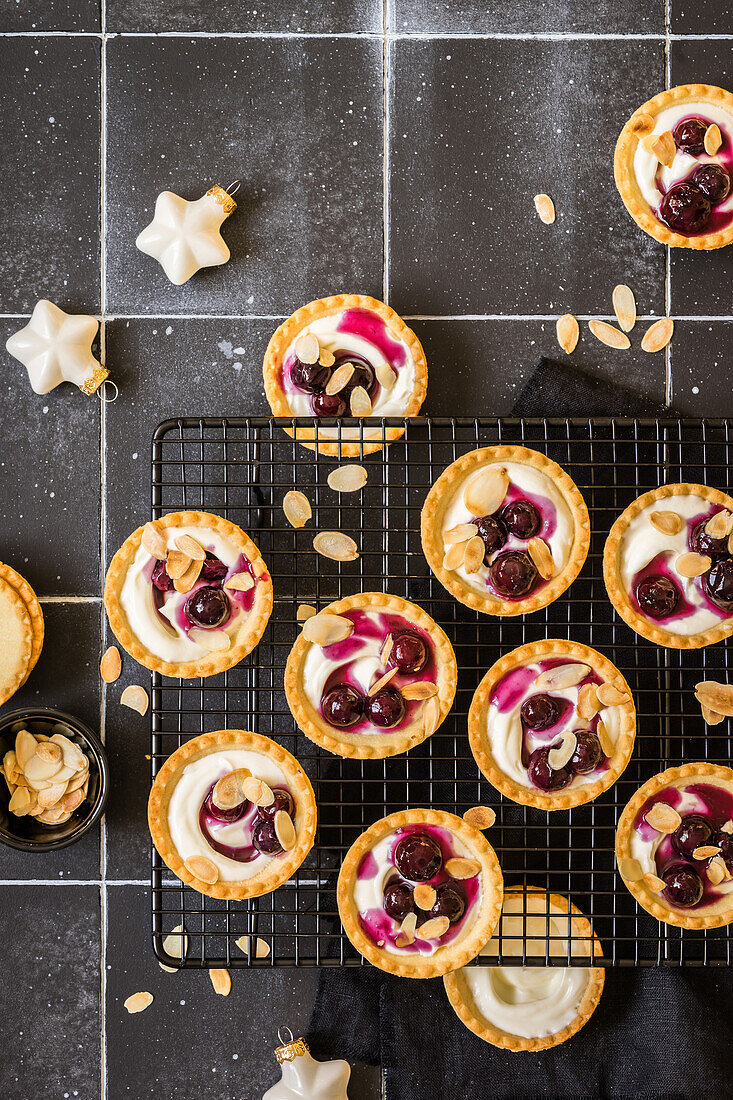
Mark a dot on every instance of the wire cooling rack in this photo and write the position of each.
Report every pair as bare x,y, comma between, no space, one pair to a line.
241,469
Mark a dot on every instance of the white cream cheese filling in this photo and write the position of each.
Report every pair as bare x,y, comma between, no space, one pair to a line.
530,480
192,788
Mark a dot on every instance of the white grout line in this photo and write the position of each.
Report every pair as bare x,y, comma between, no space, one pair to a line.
75,882
397,36
104,916
69,599
667,249
385,151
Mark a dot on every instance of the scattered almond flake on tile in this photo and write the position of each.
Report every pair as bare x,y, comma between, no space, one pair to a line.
305,611
257,791
624,306
327,628
383,681
630,869
662,146
481,817
386,651
335,545
138,1002
213,641
562,676
486,490
654,882
424,896
110,666
154,542
669,523
642,124
662,817
347,479
705,851
658,335
240,582
203,868
454,556
473,557
609,335
692,564
420,689
433,929
176,564
459,867
568,333
560,755
545,208
461,533
307,348
340,378
360,402
222,981
297,508
262,947
285,830
610,695
136,698
191,547
588,703
243,944
541,555
385,376
713,140
228,791
720,525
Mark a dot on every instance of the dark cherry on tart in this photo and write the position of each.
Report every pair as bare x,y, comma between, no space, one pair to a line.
263,815
208,596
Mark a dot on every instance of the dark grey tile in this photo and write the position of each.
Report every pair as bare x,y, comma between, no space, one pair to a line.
477,16
700,357
67,678
701,280
299,120
49,480
471,144
50,994
49,174
309,16
690,17
50,15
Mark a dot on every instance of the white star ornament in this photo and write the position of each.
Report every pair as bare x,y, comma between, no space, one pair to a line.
184,236
56,347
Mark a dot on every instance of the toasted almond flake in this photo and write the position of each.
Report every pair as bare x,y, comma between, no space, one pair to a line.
73,799
433,929
340,378
110,666
425,896
360,402
663,818
385,376
201,867
20,802
154,542
191,547
386,651
727,828
326,358
642,124
307,348
326,629
189,578
136,698
222,981
138,1002
243,944
175,943
461,533
305,611
588,703
51,795
658,335
431,716
420,689
720,525
297,508
705,851
459,867
545,208
624,306
213,641
455,556
716,696
54,816
605,739
669,523
609,335
25,749
406,934
662,146
541,555
716,871
568,333
335,545
285,830
692,564
347,479
383,681
730,544
257,791
262,948
713,140
474,555
486,490
176,564
562,676
654,882
630,869
481,817
610,695
240,582
49,752
228,792
559,756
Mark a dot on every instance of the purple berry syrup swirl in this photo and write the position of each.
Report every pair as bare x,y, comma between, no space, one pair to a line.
545,718
256,824
693,205
687,884
417,854
344,703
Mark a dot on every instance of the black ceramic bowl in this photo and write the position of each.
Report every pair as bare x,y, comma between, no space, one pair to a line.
26,833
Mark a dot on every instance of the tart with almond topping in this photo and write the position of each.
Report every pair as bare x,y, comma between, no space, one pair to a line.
232,814
552,724
668,566
188,594
370,676
347,355
505,530
674,846
531,1007
419,893
674,166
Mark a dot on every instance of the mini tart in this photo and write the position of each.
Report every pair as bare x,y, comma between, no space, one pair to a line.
641,178
369,865
21,631
135,605
546,510
637,552
348,328
503,743
563,998
177,814
359,662
645,851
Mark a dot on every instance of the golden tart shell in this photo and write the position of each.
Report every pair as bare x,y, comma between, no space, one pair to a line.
28,633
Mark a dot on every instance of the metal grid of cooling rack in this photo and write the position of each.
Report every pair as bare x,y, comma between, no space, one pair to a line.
241,469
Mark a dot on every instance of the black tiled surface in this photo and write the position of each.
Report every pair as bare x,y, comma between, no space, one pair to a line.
49,219
701,368
298,120
472,143
691,17
297,16
479,17
49,998
50,15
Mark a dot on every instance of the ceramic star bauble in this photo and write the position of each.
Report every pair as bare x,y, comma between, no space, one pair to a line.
303,1078
184,236
56,347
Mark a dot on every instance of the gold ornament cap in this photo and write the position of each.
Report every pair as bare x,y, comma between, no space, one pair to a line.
289,1048
91,384
223,197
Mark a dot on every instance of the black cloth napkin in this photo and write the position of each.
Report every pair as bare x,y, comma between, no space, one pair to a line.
658,1033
